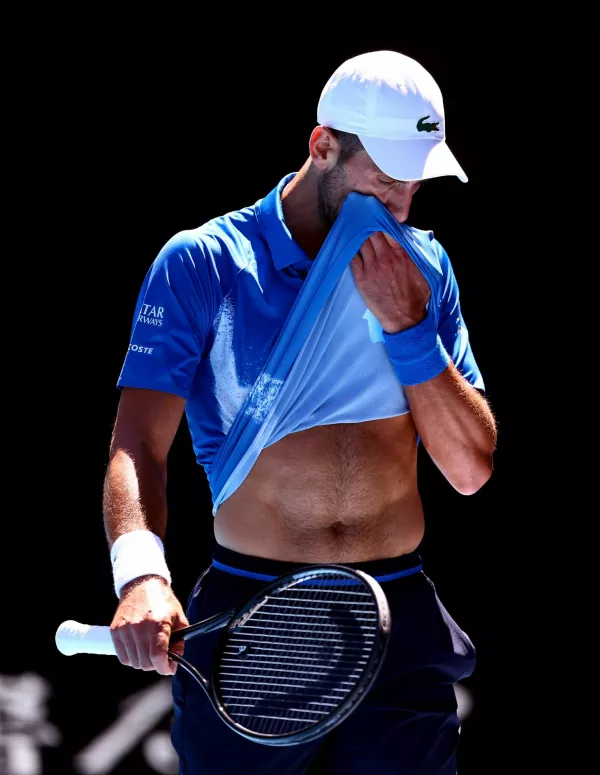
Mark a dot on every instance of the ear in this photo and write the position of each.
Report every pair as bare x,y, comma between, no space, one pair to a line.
324,148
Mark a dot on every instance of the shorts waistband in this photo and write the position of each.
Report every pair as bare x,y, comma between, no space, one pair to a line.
263,569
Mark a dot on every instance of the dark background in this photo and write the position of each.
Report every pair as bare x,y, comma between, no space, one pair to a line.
146,135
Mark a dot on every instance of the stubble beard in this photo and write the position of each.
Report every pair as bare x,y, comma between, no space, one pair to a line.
332,190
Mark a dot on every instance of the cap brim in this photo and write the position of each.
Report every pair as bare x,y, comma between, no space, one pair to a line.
413,159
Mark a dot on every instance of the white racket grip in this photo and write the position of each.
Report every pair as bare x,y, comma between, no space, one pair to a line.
76,638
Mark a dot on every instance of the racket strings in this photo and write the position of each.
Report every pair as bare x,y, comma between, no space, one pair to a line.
298,655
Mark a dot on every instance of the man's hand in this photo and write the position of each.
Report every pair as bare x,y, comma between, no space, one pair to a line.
392,286
142,625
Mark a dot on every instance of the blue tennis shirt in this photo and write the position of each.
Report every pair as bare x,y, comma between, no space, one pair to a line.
213,303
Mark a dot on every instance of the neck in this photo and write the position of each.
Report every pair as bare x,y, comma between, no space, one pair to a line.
299,204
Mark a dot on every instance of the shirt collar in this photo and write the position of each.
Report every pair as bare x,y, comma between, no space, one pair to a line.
284,250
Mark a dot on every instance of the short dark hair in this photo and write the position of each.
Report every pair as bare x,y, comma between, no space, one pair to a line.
349,143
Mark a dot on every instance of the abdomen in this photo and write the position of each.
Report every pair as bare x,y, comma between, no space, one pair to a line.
332,493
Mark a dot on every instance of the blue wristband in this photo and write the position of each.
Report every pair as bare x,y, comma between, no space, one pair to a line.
417,354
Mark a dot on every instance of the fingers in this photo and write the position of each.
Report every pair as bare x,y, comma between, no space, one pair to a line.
358,268
143,646
179,622
125,655
387,239
126,647
364,261
367,253
144,658
159,646
386,249
141,631
380,248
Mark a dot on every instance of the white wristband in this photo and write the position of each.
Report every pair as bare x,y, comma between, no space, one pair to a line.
137,553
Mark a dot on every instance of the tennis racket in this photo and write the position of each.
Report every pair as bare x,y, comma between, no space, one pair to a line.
292,662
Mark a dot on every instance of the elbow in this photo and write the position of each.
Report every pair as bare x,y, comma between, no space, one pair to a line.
473,480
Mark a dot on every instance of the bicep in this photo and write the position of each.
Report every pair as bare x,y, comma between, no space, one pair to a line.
148,419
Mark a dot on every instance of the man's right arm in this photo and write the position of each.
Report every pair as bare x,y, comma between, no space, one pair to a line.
176,305
135,499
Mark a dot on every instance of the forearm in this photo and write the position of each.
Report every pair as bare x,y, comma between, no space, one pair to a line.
456,426
148,611
134,496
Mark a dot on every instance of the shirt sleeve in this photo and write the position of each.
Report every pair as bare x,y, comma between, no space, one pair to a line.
451,328
173,315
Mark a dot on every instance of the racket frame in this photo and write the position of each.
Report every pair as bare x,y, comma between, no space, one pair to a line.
357,693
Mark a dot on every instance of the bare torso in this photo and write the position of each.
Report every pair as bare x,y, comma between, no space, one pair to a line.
333,493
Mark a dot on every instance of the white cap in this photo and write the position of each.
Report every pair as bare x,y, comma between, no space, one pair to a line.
395,107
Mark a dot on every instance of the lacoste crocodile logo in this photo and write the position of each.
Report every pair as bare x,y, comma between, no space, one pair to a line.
423,126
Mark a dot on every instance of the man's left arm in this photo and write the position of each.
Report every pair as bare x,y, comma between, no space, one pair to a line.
456,426
428,344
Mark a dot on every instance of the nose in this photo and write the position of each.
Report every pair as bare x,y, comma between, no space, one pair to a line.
400,200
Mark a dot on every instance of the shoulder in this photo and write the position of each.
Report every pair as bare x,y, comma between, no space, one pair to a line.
226,244
426,239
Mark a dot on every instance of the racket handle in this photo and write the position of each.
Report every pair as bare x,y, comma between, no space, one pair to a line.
76,638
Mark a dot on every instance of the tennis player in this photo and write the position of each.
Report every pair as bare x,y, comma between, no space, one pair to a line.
308,469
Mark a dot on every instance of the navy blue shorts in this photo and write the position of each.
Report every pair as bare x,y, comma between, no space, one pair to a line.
406,724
